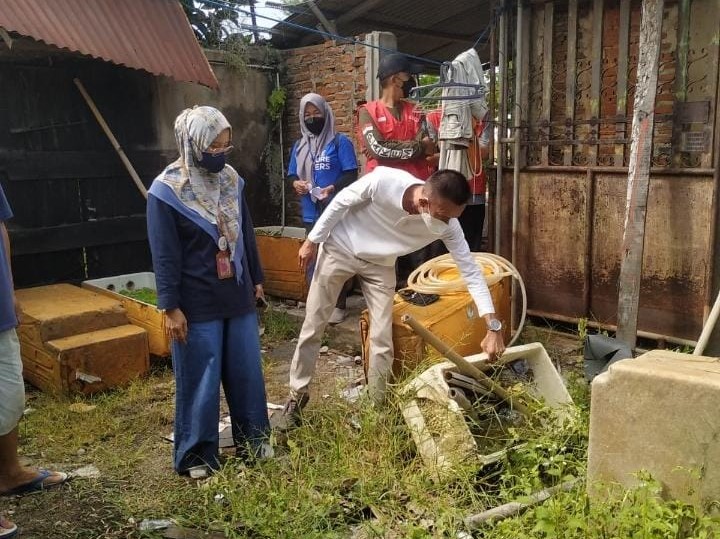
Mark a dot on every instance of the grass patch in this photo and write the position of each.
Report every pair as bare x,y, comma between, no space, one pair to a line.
351,471
146,295
279,325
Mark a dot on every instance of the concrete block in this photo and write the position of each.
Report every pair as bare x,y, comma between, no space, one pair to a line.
657,413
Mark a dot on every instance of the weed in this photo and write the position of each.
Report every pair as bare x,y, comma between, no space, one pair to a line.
279,325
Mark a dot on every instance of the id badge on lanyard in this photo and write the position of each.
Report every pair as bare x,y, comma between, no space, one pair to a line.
222,258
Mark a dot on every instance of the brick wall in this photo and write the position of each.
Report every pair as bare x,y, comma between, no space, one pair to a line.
334,70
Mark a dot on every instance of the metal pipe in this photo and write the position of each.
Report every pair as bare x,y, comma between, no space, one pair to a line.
456,379
622,170
466,368
493,114
589,210
501,131
459,396
282,158
611,327
519,44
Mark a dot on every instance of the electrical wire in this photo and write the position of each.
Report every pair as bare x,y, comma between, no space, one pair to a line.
428,279
336,37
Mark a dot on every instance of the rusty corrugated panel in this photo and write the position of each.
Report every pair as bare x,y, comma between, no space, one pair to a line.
153,35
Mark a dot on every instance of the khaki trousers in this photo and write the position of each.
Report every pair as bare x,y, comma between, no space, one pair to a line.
335,266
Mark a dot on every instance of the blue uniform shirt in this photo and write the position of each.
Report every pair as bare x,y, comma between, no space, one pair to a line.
8,318
337,157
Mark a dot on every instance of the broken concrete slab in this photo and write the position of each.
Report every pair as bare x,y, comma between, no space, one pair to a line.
657,413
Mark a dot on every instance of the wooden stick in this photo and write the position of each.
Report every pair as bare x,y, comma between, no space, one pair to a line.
113,140
466,368
513,508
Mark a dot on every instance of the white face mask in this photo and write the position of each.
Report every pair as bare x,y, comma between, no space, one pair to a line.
435,226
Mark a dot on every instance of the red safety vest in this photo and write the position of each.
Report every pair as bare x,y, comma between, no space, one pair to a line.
406,128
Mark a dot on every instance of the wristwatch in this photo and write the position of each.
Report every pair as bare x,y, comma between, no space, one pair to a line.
495,325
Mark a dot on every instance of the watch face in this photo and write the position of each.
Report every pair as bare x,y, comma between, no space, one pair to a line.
495,325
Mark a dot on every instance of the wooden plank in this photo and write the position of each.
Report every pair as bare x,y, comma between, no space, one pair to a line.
117,259
639,173
622,73
74,165
596,80
571,80
547,76
75,236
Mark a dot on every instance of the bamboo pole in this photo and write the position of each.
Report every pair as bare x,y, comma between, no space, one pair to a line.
111,137
465,367
633,243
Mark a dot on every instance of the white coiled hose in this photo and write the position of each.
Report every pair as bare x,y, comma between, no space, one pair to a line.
426,279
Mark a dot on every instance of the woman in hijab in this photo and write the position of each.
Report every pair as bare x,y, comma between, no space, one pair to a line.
209,279
322,162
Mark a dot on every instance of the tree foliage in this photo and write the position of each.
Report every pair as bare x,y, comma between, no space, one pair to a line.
213,25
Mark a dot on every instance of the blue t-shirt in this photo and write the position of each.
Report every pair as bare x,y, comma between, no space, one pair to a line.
8,318
337,157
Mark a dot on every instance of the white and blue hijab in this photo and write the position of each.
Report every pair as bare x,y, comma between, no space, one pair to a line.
209,199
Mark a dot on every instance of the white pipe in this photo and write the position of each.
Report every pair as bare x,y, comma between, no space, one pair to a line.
708,328
426,279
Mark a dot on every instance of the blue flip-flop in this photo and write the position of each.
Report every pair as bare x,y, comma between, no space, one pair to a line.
36,485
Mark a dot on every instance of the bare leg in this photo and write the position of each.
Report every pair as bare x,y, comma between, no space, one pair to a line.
12,474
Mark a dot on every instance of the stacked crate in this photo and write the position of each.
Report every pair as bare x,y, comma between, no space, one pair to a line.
76,341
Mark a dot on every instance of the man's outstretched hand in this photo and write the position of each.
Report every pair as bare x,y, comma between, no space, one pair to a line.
306,254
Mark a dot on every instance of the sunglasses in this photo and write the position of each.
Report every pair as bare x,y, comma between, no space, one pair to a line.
220,151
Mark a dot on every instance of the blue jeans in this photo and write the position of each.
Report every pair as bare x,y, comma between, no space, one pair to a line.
226,351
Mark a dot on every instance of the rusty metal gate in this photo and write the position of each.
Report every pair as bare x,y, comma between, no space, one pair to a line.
578,71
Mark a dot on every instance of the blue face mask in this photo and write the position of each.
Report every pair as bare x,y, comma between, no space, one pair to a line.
212,163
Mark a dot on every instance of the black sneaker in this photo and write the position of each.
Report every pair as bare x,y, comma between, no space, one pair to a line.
290,417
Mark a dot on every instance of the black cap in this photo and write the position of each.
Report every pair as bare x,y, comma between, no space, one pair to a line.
393,63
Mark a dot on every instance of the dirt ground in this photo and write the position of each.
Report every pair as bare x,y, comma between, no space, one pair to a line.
123,439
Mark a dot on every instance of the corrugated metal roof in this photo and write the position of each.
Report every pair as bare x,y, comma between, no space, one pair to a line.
153,35
438,31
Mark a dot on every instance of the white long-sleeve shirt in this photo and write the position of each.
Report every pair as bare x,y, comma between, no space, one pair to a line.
367,219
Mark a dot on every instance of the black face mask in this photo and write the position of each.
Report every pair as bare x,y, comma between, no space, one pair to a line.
407,86
212,163
315,124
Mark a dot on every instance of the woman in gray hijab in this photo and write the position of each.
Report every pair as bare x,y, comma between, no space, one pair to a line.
322,162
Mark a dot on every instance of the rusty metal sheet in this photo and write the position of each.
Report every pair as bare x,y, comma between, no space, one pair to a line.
551,241
152,35
676,253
